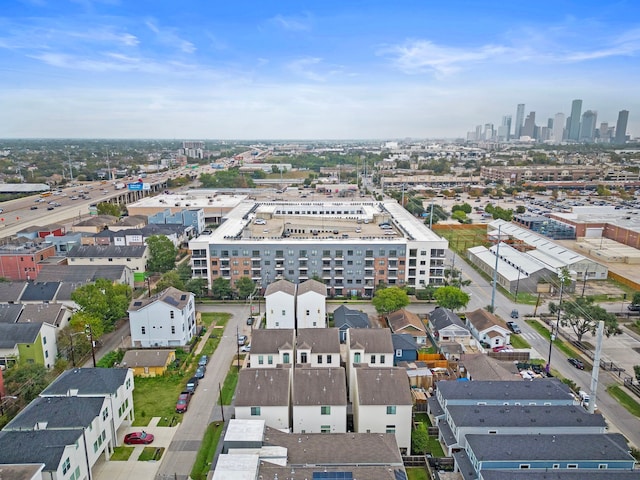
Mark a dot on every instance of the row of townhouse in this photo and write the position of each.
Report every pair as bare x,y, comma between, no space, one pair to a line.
290,305
516,429
296,382
72,424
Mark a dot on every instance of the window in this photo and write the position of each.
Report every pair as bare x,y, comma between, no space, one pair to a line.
398,352
325,410
143,330
524,466
66,466
390,429
105,414
260,360
572,465
325,429
391,409
329,359
270,359
255,411
373,359
556,466
173,329
356,357
319,359
284,312
285,358
44,340
381,358
602,466
303,357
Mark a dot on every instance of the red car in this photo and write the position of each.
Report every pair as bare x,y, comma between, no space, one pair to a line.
138,438
183,402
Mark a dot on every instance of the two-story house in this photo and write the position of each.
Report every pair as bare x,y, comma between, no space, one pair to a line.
311,309
29,343
280,304
164,320
371,347
265,394
383,404
345,318
319,400
134,257
270,348
318,347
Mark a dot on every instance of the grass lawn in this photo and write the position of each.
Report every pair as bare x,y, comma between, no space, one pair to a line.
624,399
121,453
214,318
151,453
229,387
156,397
422,418
518,342
559,344
208,447
416,473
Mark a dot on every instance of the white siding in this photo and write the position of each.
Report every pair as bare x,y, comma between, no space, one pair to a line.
273,416
280,310
311,310
374,419
156,323
308,419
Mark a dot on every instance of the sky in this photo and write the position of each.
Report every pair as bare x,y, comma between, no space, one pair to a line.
322,69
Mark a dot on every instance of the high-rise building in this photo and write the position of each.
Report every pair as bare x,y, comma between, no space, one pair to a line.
504,130
488,132
478,133
529,128
558,128
621,127
588,126
519,120
574,125
603,134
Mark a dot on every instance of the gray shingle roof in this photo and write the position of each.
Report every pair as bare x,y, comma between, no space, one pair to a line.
383,386
443,317
523,416
37,446
80,273
265,341
88,381
319,386
9,313
57,413
265,387
21,472
171,296
11,291
545,389
403,341
572,447
312,286
374,340
336,448
382,472
531,474
12,334
319,340
344,318
107,251
146,358
43,312
40,292
281,286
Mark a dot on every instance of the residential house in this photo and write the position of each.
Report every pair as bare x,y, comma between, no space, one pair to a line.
265,394
345,318
404,321
557,474
83,274
10,312
372,347
487,328
56,314
63,244
270,348
22,261
138,236
311,310
318,347
446,326
28,343
11,292
190,217
405,348
167,319
26,471
280,301
94,224
383,404
40,292
148,363
115,384
319,399
134,257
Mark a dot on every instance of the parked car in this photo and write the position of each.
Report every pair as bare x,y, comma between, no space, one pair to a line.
200,371
138,438
34,207
576,363
50,207
192,384
513,326
203,361
633,308
249,320
245,348
183,402
242,339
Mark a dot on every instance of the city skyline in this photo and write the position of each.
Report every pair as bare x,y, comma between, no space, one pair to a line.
332,70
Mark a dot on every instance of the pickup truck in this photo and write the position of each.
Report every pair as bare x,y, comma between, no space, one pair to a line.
183,402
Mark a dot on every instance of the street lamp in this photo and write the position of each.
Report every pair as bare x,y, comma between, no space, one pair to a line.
89,333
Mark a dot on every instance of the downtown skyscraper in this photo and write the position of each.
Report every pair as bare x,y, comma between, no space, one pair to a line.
573,123
519,121
621,127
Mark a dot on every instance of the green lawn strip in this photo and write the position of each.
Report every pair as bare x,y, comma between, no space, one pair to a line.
156,397
416,473
214,318
518,342
624,399
151,453
435,447
121,453
229,387
564,347
422,418
206,452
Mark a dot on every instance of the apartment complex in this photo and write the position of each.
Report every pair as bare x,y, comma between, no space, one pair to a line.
350,245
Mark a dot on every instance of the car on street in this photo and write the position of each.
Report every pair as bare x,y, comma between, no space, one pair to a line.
513,326
203,361
249,321
50,207
183,402
242,339
138,438
245,348
200,371
34,207
633,308
576,363
515,313
192,384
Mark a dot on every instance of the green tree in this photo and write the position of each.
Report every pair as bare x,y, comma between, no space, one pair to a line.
80,320
184,271
106,208
390,299
419,441
636,371
583,316
197,286
104,300
451,297
464,207
221,288
520,209
73,345
169,279
162,254
26,381
459,215
245,287
453,278
636,298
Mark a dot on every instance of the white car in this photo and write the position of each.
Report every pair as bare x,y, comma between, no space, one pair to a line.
245,348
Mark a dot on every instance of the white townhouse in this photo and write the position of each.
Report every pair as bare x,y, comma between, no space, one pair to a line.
265,394
270,348
319,400
318,347
280,301
164,320
373,347
311,309
383,404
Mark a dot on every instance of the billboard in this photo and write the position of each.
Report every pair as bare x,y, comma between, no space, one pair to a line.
134,186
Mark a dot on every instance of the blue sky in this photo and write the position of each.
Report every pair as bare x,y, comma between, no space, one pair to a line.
319,69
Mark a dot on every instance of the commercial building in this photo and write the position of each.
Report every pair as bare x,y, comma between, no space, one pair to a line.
350,245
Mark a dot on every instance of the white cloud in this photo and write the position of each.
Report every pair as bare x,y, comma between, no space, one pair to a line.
168,37
292,23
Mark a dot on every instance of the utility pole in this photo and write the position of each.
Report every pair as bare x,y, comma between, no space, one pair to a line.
70,166
89,332
563,276
495,272
221,405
